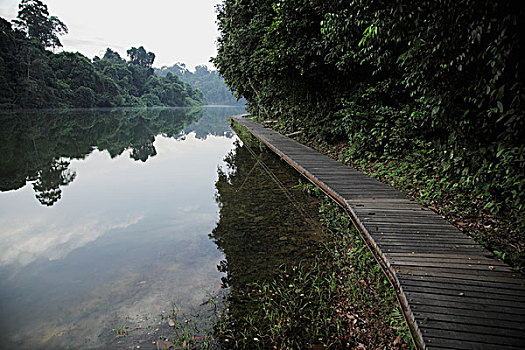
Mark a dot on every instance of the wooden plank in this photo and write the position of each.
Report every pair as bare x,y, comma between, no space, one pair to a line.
420,238
436,342
465,302
428,325
512,288
457,295
413,230
401,219
499,276
446,258
454,290
420,249
473,316
455,266
487,320
409,225
478,337
433,342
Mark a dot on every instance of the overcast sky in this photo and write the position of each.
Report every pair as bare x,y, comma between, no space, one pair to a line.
175,30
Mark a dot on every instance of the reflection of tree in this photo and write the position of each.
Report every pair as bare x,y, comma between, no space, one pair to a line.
143,152
264,220
48,182
35,144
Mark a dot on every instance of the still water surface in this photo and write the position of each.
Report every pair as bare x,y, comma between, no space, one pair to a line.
104,218
109,218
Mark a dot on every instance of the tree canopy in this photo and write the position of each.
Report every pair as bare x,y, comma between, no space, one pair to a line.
35,21
33,77
141,57
390,79
208,81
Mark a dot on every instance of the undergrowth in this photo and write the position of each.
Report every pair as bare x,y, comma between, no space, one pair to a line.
421,176
340,300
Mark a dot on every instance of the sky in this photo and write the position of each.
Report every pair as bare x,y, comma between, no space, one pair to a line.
174,30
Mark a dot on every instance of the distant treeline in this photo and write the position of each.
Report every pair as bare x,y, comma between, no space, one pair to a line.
442,79
31,76
208,81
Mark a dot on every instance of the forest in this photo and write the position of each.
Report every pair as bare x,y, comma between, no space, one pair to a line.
428,95
208,81
33,76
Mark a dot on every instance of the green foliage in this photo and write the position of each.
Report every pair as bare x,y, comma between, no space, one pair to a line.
84,97
34,20
209,82
140,57
294,283
32,77
387,78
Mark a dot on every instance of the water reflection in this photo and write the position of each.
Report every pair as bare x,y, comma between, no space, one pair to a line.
126,239
38,147
265,220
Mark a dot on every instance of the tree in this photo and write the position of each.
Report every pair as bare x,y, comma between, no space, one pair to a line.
34,20
209,82
112,56
33,77
84,97
140,57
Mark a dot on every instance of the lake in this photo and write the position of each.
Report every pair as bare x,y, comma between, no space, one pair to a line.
113,219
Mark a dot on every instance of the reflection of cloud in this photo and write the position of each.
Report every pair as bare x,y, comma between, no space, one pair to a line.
24,242
189,208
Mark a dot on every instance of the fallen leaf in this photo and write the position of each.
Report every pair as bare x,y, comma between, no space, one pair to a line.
397,341
317,347
162,344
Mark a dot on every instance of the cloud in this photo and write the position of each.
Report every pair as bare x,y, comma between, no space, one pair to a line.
24,242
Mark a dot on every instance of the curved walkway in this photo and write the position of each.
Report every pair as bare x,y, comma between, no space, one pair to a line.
454,293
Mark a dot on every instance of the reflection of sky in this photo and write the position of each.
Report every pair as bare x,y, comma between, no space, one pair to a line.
64,268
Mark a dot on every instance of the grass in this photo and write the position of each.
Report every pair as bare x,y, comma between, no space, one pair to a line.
340,300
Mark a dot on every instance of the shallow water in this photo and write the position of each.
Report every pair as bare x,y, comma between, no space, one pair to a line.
109,219
104,219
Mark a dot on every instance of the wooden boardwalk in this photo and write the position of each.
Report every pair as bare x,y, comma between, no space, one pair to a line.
453,292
